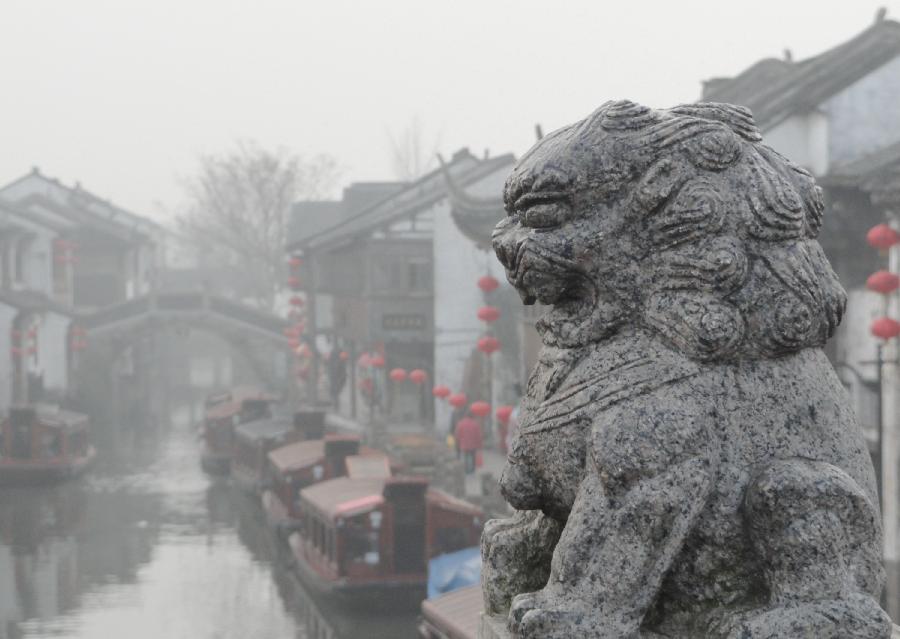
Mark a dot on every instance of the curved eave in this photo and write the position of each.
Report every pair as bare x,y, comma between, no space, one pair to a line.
474,216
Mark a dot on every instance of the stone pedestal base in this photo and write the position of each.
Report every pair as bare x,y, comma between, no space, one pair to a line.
494,627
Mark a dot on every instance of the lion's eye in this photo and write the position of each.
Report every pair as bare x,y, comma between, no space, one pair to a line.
542,216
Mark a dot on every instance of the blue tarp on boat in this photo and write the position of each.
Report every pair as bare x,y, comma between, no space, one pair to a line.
454,570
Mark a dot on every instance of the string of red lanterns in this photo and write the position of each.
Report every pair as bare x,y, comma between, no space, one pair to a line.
487,344
883,237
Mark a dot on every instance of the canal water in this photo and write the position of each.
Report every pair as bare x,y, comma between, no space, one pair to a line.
147,547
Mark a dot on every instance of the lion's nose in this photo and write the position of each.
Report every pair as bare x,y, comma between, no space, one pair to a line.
505,243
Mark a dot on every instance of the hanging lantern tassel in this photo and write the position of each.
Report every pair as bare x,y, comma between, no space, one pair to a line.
882,237
488,283
480,409
503,413
489,314
883,282
488,344
885,328
440,391
458,400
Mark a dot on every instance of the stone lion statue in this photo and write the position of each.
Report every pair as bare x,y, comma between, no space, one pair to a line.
687,463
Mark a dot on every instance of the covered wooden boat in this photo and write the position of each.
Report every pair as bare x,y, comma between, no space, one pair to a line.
253,442
224,411
43,444
295,466
455,615
367,540
303,463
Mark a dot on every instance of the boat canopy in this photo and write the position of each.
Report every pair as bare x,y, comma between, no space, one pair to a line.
230,403
264,429
298,455
346,496
55,417
439,498
368,466
457,614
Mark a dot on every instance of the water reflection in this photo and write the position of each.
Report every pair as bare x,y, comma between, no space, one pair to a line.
146,546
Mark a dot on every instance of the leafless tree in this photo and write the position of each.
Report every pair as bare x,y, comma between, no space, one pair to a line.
238,211
412,153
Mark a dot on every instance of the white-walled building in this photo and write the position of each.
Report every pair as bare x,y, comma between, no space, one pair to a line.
63,251
393,273
837,115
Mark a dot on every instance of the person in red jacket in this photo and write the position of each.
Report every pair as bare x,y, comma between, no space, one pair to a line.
469,439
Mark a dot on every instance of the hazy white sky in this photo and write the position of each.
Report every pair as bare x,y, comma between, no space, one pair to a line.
123,95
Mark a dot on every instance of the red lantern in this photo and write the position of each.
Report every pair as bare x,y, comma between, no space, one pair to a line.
364,361
488,314
458,400
487,283
294,343
344,355
417,376
503,413
397,375
440,391
885,328
378,360
488,344
296,300
295,261
882,237
480,409
294,282
883,282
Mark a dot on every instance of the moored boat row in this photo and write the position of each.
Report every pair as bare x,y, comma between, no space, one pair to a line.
355,526
43,444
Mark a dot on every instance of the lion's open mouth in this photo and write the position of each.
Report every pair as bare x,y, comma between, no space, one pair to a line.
541,276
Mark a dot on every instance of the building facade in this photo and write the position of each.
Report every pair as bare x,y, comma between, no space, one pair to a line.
64,252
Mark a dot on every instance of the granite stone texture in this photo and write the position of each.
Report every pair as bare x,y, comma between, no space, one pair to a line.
687,463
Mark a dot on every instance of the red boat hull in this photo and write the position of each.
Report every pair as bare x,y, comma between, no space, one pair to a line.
28,473
389,594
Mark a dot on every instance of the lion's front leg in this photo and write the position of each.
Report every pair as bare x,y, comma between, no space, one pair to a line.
516,554
642,494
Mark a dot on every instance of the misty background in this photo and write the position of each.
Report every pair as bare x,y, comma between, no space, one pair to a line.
129,94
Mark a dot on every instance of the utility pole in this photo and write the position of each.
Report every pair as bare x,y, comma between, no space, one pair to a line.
889,406
313,386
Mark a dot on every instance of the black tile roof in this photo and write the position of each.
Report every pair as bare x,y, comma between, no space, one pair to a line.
777,89
411,197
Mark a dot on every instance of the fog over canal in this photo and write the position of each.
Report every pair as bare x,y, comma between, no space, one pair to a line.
147,544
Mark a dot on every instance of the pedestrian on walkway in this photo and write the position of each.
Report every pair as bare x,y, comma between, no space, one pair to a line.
470,440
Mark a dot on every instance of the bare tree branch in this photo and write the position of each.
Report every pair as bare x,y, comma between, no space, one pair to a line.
411,154
238,208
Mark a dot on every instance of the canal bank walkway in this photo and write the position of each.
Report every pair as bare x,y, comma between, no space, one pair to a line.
492,461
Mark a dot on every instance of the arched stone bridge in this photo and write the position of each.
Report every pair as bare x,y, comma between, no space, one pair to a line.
193,308
253,334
